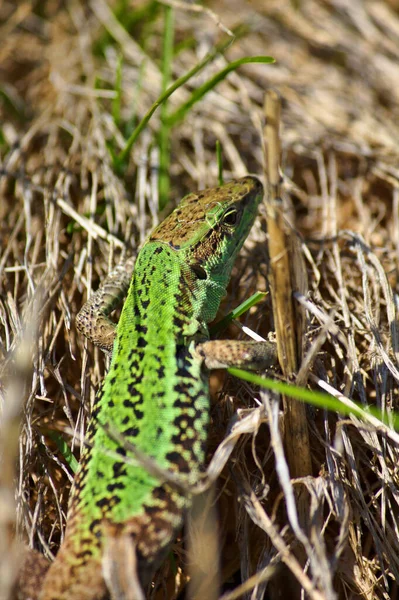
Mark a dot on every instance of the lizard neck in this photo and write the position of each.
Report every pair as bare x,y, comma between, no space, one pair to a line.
163,307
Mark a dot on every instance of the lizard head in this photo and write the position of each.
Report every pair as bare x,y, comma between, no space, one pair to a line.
205,233
212,225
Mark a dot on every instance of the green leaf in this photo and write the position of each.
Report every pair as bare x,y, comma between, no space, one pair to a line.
124,154
219,161
63,448
318,399
237,312
200,92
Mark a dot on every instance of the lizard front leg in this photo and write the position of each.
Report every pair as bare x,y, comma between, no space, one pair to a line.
221,354
92,319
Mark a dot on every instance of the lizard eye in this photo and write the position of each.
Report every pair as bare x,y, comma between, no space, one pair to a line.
231,217
199,271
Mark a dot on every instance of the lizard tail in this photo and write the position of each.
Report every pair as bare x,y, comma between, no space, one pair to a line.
72,576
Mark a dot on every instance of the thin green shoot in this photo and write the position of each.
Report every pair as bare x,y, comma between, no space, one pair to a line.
237,312
200,92
219,49
219,160
63,448
315,398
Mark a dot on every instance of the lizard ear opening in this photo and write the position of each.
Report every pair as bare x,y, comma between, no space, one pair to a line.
199,271
231,217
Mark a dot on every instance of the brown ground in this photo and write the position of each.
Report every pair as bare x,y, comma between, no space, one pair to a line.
66,217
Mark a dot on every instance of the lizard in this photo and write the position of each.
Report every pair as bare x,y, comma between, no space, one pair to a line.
156,391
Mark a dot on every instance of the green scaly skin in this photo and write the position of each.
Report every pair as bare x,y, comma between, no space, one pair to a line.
156,393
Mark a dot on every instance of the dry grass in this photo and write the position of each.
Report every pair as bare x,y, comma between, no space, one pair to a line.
66,218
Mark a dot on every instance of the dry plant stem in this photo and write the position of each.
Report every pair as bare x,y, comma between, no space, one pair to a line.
252,582
17,374
296,431
203,548
312,541
119,567
260,518
198,9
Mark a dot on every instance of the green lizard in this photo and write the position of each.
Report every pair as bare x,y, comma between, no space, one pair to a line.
155,394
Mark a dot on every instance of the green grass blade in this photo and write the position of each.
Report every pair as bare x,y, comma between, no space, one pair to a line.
63,448
219,160
237,312
178,83
200,92
318,399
